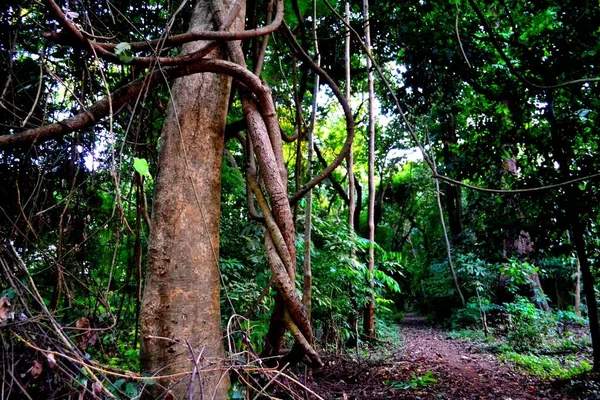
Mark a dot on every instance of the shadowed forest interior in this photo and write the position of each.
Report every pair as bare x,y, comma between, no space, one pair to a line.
299,199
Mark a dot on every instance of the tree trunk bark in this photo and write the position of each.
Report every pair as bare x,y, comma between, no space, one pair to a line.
181,317
353,318
280,238
453,193
369,312
350,158
588,285
307,283
577,289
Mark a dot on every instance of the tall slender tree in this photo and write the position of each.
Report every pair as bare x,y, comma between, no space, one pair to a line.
369,314
350,158
307,286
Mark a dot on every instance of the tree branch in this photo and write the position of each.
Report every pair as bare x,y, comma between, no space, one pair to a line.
337,186
129,92
74,37
301,54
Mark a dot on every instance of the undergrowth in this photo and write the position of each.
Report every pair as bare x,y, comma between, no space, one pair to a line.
547,367
544,344
415,382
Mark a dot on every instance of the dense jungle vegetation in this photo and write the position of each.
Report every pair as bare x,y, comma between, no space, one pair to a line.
220,199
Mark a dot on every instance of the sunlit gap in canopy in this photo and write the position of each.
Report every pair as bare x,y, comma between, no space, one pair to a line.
329,108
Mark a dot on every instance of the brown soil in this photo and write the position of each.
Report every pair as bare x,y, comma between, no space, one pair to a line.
461,372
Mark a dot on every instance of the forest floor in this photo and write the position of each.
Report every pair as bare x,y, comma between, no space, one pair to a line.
429,365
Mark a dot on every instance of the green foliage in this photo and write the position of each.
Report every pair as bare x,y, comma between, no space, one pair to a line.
439,293
254,330
9,293
388,335
340,284
237,391
566,317
479,276
126,389
142,167
123,50
415,382
470,315
232,182
519,274
547,367
528,324
239,289
60,212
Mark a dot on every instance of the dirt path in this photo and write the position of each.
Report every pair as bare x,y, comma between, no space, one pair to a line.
461,372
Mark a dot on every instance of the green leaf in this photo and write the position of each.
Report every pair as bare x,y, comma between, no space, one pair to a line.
236,391
141,166
9,293
123,50
119,383
131,389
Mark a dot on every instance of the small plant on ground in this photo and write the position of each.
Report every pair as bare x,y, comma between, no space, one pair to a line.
414,382
547,367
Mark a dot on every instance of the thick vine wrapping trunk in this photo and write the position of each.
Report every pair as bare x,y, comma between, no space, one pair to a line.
280,239
180,307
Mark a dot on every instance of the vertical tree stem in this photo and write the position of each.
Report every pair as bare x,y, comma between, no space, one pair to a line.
448,247
369,315
307,287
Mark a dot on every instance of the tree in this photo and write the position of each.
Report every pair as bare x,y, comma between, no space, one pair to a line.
509,93
369,312
181,319
512,128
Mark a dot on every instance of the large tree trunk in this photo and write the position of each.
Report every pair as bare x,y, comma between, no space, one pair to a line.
181,317
453,193
518,243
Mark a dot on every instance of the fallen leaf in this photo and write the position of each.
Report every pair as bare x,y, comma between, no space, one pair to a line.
97,388
36,369
88,336
51,360
5,308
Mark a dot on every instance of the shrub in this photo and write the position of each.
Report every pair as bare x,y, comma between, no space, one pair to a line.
467,317
548,367
528,324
